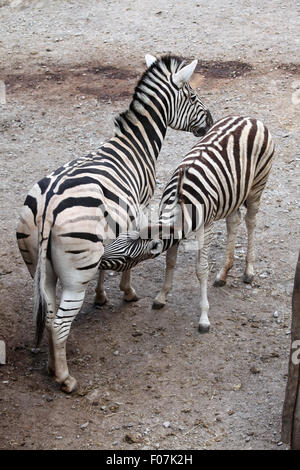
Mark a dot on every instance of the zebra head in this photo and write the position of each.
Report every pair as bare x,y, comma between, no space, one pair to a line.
129,249
186,111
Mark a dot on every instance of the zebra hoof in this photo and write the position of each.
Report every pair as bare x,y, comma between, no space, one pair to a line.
248,278
156,305
132,298
203,328
98,303
69,385
219,283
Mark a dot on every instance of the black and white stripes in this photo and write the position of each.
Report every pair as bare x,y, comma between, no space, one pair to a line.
227,168
70,214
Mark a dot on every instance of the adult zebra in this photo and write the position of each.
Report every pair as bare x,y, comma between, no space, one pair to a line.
227,168
68,215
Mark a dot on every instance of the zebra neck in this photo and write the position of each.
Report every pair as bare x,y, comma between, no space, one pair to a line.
145,126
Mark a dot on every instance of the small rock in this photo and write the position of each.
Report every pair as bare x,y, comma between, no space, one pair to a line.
237,387
114,408
254,370
132,438
166,424
84,425
137,333
2,353
275,314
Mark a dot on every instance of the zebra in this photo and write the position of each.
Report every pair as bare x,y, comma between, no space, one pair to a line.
69,215
226,169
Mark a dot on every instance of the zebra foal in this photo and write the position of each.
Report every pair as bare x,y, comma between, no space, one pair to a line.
69,215
228,167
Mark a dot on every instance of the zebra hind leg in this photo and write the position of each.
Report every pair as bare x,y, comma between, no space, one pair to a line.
171,258
202,272
50,289
232,224
252,205
58,326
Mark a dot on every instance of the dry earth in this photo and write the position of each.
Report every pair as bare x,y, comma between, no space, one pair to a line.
147,379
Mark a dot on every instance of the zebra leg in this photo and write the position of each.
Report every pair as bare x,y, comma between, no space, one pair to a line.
50,289
202,275
252,204
232,224
100,297
125,286
171,258
74,273
58,327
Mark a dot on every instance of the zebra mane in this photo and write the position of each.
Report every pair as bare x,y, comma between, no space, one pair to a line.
165,65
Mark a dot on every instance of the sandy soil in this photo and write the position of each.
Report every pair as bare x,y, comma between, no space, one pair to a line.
147,379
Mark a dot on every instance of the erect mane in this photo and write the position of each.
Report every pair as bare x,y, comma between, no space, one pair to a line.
166,65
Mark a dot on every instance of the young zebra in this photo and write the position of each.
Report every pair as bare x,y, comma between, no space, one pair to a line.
68,215
227,168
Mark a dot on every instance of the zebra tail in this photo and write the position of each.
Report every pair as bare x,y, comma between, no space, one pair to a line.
40,305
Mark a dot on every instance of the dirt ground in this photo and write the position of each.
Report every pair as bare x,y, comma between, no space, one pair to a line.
147,379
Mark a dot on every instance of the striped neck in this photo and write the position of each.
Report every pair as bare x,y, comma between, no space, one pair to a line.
144,124
146,120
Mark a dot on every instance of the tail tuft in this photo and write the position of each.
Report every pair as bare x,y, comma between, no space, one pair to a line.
40,304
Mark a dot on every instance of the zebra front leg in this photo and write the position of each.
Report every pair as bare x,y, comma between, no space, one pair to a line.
58,327
171,258
125,286
100,297
250,219
232,224
202,275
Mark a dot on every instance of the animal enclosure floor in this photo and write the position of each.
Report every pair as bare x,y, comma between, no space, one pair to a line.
147,379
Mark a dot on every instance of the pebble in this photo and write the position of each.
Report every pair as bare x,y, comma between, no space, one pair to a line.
137,333
84,425
2,353
166,424
132,438
275,314
254,370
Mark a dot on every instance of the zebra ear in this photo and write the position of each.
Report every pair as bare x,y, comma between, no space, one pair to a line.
184,75
150,59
